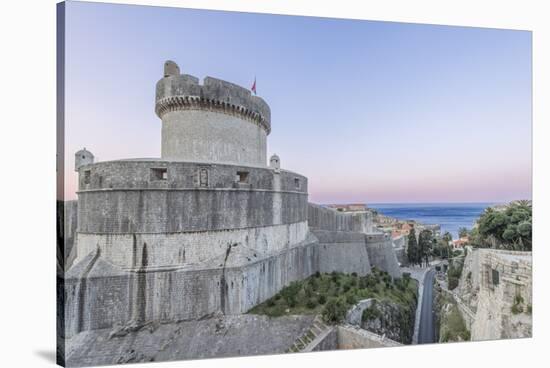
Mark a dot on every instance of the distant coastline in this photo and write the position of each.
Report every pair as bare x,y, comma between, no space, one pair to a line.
451,216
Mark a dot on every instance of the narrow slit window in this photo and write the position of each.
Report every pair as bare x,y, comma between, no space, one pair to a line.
297,183
159,174
495,277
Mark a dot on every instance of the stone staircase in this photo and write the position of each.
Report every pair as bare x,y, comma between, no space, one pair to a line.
318,328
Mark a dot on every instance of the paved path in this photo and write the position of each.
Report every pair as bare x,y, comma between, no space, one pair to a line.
426,333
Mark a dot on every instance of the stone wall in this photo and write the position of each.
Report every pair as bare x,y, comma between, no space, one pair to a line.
382,254
355,314
70,225
343,337
99,295
328,340
125,197
343,249
492,282
350,337
470,280
342,252
188,248
220,336
322,218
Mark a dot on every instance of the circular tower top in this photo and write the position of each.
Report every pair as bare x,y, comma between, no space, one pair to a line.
216,121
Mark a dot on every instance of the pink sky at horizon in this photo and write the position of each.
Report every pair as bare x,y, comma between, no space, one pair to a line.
387,113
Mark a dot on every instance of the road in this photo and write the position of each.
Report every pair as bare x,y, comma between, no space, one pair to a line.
426,331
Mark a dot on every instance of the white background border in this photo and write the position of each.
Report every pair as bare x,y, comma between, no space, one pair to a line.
27,146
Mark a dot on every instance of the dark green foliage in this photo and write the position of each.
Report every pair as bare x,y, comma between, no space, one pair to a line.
517,307
509,228
311,303
334,310
290,293
412,248
312,295
425,245
372,312
351,299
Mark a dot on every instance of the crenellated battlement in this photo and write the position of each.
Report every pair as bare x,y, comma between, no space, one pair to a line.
184,92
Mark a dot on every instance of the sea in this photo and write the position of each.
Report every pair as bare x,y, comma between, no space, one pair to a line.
451,216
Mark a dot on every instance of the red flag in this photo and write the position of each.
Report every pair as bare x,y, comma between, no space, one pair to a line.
254,86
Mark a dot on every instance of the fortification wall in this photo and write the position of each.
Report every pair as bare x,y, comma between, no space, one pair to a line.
188,248
99,295
506,280
381,253
121,197
328,340
470,279
322,218
492,282
348,242
139,174
351,337
342,252
70,224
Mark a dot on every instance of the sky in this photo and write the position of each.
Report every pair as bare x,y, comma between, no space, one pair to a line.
370,112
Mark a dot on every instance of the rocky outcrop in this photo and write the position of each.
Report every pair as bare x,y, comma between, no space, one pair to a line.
395,321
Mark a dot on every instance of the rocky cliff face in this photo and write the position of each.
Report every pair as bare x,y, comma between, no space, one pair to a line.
392,320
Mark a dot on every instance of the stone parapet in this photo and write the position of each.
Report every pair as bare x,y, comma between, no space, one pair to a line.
183,92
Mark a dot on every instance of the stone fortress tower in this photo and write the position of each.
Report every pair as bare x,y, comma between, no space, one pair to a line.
216,122
208,227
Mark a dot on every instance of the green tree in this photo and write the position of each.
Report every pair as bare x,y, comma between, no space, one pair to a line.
447,237
334,310
508,228
463,232
425,243
412,248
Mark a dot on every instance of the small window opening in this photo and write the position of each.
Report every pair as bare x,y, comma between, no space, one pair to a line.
495,277
242,176
159,174
87,176
297,183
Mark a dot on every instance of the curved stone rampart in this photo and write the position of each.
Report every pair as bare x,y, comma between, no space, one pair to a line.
192,248
183,92
154,196
142,174
322,218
